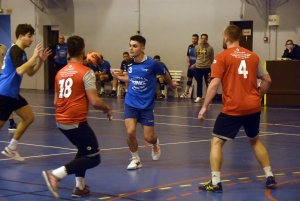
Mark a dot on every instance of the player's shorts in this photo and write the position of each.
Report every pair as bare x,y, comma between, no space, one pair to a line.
84,139
110,78
8,105
190,73
227,127
143,116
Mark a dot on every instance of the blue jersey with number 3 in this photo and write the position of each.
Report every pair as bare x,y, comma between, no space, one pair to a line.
142,83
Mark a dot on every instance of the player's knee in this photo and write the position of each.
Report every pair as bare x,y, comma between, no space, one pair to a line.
29,119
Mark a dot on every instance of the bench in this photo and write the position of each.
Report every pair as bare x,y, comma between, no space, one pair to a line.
176,77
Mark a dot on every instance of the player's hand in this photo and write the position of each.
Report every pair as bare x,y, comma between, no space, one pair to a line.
193,66
175,85
37,50
113,73
201,114
109,114
55,57
45,53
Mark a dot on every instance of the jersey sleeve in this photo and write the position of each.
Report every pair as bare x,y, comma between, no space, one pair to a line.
188,52
16,55
159,68
89,80
261,71
218,67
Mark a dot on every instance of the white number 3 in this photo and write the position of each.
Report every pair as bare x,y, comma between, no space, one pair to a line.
65,88
242,69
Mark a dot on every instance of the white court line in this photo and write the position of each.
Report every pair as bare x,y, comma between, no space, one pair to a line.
119,148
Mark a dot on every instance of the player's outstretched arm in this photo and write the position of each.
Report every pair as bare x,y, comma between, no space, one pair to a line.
98,103
123,78
172,84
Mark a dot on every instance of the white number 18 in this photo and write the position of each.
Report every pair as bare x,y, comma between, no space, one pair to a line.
65,88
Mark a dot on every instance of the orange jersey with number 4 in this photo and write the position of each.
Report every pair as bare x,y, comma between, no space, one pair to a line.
237,68
72,103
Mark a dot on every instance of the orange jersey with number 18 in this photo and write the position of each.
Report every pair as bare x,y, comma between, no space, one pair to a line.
72,103
237,68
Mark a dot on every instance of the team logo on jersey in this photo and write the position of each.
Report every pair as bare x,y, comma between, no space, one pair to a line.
145,69
215,61
130,70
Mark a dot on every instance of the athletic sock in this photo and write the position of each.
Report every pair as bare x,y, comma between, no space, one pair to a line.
13,144
215,178
135,154
60,172
268,171
80,182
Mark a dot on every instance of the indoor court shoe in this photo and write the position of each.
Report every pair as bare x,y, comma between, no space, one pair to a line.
156,151
271,182
184,95
211,188
113,93
197,100
134,164
12,127
162,96
12,154
52,182
77,193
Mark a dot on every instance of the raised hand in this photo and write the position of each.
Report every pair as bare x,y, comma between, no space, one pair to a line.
45,53
37,50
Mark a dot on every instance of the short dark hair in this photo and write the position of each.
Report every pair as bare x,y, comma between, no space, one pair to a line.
204,35
156,57
195,35
125,53
139,39
23,29
75,45
233,32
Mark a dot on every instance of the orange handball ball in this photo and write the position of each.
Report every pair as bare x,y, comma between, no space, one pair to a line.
91,57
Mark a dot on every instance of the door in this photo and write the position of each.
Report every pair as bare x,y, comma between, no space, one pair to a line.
5,30
247,33
50,39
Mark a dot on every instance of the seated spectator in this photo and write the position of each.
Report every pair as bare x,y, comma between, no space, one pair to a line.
292,50
102,72
122,72
160,79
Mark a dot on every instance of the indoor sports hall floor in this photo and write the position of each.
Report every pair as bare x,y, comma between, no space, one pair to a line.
185,144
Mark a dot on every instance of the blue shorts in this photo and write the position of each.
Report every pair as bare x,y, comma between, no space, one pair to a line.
143,116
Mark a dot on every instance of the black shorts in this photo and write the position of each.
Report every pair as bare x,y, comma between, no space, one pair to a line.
110,78
227,127
8,105
84,139
190,73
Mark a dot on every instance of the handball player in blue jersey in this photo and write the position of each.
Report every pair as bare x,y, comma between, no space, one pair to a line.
14,67
139,100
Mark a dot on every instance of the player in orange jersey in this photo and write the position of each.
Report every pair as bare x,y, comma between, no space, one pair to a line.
74,89
237,69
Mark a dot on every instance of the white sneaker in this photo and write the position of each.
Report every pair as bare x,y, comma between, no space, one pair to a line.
156,151
12,154
197,100
184,95
134,164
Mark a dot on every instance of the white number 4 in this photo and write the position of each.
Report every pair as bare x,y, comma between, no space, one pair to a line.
242,69
65,88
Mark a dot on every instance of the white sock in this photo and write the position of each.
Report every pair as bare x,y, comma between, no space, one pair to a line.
163,92
135,154
80,182
216,178
102,89
60,172
114,88
268,171
13,144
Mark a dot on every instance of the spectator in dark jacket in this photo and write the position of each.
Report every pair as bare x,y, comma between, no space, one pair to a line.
292,50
